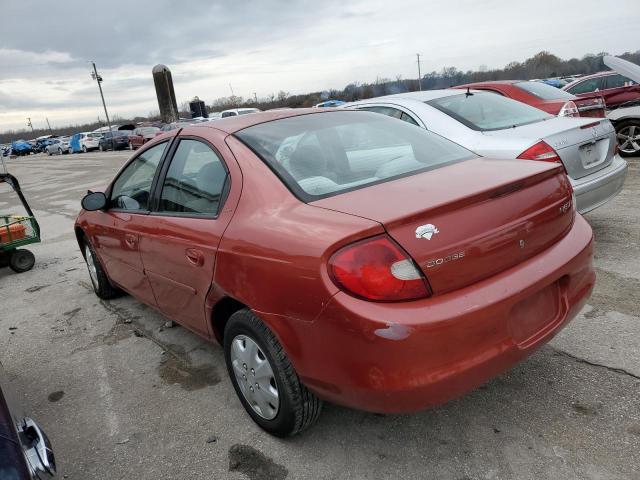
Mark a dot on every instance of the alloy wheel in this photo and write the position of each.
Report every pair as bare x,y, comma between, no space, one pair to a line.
255,376
91,266
629,139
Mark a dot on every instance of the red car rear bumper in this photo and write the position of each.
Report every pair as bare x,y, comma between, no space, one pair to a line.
402,357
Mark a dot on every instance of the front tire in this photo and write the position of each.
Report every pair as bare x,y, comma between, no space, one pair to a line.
21,260
100,148
84,149
264,379
99,280
628,134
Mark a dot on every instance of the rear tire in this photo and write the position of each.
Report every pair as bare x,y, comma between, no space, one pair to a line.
99,280
630,131
100,148
84,149
298,408
21,260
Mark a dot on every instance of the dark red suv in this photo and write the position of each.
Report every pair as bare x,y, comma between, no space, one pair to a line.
616,89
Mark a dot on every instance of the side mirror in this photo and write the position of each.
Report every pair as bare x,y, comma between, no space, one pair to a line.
94,201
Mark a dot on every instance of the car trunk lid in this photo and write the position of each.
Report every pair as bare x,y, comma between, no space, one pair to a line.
468,221
585,145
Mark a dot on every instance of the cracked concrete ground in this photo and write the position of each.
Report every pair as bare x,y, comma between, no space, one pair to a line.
123,397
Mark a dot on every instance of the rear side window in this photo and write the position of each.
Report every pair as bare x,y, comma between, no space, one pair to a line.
324,154
543,91
484,111
587,86
228,114
132,188
195,181
617,81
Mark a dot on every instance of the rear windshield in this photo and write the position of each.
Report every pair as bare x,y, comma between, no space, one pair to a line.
324,154
543,91
486,111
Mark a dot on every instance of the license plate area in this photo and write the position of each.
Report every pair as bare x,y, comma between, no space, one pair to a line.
531,318
594,153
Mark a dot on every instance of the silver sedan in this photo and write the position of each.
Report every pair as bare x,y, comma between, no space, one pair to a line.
498,127
58,146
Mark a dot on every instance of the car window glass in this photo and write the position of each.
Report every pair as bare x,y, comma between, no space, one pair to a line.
484,111
543,91
389,111
587,86
617,81
132,189
329,153
408,118
195,180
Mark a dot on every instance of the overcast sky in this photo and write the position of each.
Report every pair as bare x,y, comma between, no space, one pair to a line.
265,46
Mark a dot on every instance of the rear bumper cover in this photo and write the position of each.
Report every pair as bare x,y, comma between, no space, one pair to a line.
598,188
403,357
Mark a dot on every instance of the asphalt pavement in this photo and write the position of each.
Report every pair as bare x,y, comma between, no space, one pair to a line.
122,396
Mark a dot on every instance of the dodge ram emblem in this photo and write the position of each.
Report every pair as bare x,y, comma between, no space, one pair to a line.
426,231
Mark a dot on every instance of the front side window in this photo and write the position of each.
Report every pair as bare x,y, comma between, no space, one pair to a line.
195,180
484,111
587,86
324,154
132,189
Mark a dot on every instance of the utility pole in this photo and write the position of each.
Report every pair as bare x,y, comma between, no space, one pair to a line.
98,79
29,124
419,74
255,97
48,125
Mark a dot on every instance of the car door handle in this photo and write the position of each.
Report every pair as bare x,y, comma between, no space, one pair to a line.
131,240
195,256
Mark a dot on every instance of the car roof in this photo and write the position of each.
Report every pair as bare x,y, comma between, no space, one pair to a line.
426,95
234,124
490,82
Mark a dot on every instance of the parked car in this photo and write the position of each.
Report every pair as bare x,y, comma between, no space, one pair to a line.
237,111
496,126
142,135
58,146
545,97
21,147
626,118
25,450
84,142
616,89
114,140
377,265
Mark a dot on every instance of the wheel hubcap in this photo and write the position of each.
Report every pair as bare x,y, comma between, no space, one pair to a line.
629,139
255,377
91,265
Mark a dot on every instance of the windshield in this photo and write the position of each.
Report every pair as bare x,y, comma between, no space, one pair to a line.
543,91
320,155
488,111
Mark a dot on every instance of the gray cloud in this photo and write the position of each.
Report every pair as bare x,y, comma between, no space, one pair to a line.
267,45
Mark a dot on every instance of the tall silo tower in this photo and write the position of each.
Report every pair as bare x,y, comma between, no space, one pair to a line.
166,95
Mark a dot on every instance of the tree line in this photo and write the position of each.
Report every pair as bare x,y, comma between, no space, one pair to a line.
542,65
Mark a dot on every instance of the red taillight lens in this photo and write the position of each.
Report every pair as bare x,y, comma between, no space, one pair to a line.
540,151
377,269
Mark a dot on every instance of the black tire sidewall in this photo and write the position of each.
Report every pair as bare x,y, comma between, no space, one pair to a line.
25,254
243,323
104,289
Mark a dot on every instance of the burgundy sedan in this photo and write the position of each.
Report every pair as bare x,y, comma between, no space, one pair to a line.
342,256
545,97
142,135
616,89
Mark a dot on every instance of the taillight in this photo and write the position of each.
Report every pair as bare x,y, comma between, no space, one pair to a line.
540,151
378,269
569,109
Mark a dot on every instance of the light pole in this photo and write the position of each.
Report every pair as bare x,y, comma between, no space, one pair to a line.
29,124
255,96
98,79
419,74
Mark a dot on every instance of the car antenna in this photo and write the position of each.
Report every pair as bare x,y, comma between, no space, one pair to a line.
469,94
